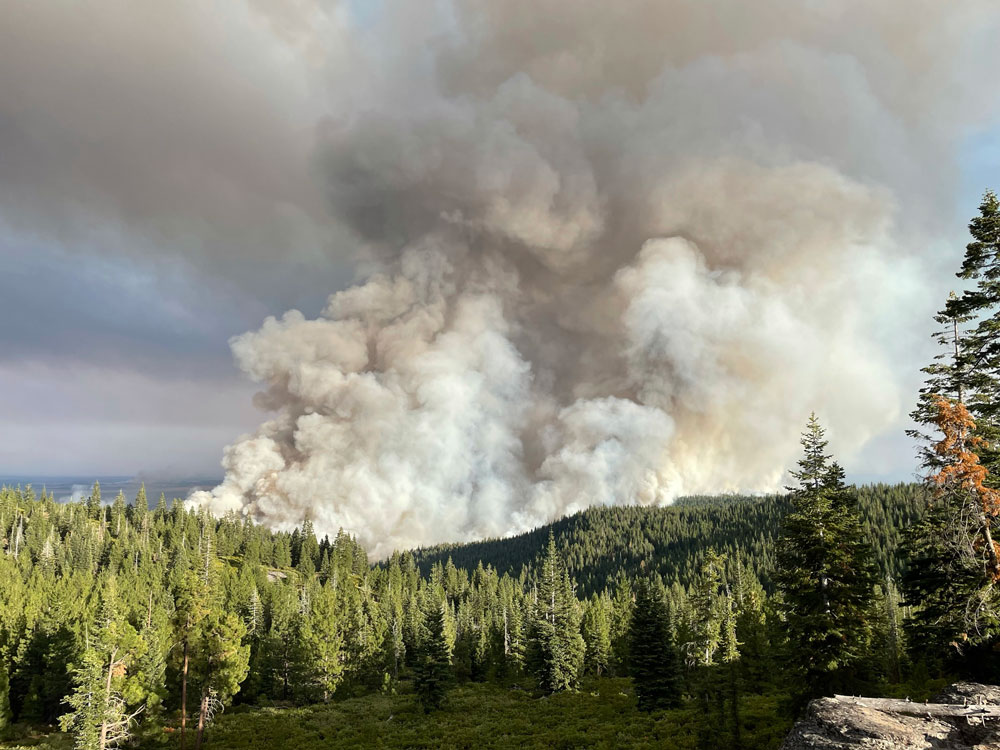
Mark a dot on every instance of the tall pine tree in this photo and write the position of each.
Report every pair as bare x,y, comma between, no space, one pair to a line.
555,645
654,663
954,559
432,669
824,572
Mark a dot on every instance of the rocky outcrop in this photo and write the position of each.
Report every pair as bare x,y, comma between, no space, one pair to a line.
963,717
970,694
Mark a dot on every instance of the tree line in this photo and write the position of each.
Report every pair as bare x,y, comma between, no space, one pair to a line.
117,619
598,544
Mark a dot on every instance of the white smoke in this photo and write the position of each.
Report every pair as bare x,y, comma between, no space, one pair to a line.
614,253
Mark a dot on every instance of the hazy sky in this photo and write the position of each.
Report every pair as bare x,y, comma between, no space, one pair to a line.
156,198
161,191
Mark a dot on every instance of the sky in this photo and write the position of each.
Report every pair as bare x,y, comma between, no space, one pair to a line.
165,186
156,200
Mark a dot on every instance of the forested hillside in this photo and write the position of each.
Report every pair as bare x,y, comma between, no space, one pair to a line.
598,544
155,610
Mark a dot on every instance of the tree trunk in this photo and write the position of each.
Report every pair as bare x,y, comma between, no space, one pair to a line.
954,328
107,700
734,698
201,719
823,579
991,550
184,694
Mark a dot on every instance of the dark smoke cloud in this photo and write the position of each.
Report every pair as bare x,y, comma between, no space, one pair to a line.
618,252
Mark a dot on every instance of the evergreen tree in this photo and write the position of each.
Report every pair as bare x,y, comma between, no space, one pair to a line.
283,660
889,643
978,349
754,614
653,661
160,513
730,659
622,605
94,508
432,669
6,716
824,572
596,632
190,608
152,666
954,561
323,644
100,716
555,646
706,612
141,503
308,557
954,558
220,664
118,519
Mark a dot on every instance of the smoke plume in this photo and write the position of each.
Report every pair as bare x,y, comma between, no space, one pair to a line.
611,253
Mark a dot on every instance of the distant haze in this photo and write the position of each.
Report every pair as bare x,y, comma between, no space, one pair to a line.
78,488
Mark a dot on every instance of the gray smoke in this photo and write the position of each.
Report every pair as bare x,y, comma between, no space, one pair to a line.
611,253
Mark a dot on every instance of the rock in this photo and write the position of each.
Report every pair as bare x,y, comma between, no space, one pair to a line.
969,693
832,724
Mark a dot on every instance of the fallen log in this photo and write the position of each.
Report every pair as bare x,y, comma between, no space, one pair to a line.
935,710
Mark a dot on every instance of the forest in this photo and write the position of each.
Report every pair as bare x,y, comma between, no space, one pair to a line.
709,623
166,605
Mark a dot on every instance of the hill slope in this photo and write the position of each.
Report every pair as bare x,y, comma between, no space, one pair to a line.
598,542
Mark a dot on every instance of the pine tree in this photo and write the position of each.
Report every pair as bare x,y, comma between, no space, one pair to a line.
622,605
220,665
100,716
954,558
94,508
824,572
87,711
118,519
979,348
160,513
152,667
141,503
308,550
283,658
706,612
754,615
968,368
323,644
889,644
654,664
730,661
596,632
190,608
432,669
555,646
6,716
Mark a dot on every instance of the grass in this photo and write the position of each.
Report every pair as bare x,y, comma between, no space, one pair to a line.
485,716
602,715
37,738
